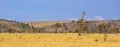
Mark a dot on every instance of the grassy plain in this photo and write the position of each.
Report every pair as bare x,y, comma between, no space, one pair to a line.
57,40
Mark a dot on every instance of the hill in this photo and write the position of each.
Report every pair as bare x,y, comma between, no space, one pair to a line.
112,26
13,26
40,24
8,26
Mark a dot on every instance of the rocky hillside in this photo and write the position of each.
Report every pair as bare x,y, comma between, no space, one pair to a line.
8,26
113,26
14,27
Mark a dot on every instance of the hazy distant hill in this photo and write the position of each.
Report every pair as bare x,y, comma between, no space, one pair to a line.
51,26
13,26
40,24
9,26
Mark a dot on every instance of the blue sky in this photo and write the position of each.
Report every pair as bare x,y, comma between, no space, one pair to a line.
37,10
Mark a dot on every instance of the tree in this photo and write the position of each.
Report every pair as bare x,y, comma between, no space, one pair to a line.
57,26
73,21
65,27
100,28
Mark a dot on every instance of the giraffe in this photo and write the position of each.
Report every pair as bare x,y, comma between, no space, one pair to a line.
80,23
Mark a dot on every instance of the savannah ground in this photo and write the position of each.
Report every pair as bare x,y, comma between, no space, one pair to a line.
57,40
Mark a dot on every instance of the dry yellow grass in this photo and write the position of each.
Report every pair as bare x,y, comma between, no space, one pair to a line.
57,40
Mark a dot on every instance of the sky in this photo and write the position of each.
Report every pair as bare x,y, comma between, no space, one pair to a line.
38,10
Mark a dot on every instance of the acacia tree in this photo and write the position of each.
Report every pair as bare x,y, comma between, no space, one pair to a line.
65,27
57,26
100,28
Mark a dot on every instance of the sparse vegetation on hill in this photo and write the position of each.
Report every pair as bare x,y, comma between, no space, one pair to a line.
88,27
8,26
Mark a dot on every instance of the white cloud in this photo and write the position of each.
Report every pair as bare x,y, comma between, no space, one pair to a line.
98,18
